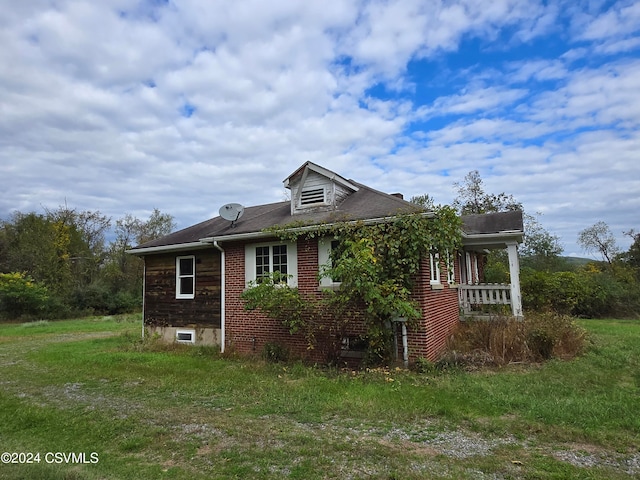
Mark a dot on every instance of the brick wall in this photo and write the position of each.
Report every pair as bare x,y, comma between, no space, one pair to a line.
440,314
247,332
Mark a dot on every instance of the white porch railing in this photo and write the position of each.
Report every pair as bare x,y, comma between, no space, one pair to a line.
472,297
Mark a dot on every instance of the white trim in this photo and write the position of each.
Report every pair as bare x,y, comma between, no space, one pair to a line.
223,280
190,332
250,260
450,263
179,276
434,268
324,259
325,173
167,248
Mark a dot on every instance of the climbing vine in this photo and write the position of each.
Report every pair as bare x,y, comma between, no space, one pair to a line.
376,264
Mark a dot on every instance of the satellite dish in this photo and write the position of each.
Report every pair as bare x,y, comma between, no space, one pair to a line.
231,212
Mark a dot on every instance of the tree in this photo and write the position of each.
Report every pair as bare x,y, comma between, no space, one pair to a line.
633,255
124,271
472,199
38,246
425,201
540,249
599,239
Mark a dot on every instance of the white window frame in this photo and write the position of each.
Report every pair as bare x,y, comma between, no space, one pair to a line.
324,259
434,268
192,333
180,276
451,271
250,261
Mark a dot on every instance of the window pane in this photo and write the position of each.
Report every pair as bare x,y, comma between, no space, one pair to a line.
186,266
280,259
262,262
186,285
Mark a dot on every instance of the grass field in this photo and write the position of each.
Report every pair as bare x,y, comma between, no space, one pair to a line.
130,410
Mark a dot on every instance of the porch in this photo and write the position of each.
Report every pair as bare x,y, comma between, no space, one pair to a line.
486,298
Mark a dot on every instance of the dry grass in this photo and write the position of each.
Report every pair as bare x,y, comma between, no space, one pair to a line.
503,340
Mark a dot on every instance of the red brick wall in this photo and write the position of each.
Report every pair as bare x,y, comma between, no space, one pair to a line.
247,332
440,315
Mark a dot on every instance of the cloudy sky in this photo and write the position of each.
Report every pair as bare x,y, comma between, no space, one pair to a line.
123,106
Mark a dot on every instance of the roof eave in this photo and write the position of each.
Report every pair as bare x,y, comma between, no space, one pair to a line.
167,248
306,228
324,172
495,240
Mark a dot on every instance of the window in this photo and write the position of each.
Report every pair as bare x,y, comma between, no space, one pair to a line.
185,277
263,259
270,258
185,336
451,273
326,246
434,268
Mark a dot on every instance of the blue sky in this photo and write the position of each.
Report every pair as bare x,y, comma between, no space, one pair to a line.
125,106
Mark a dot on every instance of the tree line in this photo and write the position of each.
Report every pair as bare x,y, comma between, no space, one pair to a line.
67,262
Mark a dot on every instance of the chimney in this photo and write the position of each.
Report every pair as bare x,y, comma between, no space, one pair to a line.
397,195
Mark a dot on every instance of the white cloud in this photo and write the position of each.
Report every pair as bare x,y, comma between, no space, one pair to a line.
125,106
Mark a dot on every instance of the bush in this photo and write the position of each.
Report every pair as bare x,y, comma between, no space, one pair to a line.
21,296
275,352
98,298
539,337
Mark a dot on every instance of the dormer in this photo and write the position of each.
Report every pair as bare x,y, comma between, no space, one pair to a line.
316,189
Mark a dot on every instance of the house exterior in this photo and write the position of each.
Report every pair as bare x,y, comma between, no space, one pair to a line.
193,278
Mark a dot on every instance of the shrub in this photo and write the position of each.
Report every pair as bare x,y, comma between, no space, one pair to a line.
21,296
275,352
539,337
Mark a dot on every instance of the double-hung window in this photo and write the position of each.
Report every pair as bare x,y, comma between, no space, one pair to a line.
263,259
186,276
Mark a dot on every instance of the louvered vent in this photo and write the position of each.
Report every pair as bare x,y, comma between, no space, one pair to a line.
309,197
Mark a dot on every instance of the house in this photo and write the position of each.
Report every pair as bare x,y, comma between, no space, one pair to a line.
193,278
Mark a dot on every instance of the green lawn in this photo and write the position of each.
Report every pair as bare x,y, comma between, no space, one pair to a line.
137,411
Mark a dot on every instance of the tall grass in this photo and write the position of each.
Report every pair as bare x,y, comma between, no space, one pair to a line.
503,340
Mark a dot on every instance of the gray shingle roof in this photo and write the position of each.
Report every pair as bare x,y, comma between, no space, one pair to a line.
366,203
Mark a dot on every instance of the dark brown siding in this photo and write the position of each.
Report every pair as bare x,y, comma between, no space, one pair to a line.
161,306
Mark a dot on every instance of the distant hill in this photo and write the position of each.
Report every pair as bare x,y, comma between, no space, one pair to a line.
578,261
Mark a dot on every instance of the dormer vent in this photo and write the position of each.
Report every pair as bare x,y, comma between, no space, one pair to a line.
316,189
312,196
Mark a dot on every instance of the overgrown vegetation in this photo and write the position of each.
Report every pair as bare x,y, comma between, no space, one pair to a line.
503,340
377,266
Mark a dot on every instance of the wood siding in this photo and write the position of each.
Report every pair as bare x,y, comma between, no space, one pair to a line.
162,308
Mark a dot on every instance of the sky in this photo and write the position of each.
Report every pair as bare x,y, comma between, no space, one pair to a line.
123,106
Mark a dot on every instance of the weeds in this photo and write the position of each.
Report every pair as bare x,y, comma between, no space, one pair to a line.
503,340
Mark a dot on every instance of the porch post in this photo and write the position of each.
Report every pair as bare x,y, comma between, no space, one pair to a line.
514,272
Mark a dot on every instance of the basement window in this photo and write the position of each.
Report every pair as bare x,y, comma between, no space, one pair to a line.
186,336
